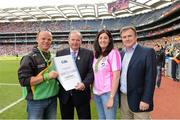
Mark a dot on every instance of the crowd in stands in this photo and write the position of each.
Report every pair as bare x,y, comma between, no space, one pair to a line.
161,31
10,50
58,26
88,36
22,49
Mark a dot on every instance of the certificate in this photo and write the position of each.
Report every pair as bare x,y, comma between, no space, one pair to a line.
68,72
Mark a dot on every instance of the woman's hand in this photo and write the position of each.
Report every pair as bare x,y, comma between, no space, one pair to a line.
110,103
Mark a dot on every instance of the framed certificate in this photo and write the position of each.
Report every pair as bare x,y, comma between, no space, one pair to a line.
68,72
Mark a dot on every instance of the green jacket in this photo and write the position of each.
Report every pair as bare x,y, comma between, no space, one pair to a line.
34,65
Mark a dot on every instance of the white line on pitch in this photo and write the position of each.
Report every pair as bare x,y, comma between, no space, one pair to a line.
11,105
10,84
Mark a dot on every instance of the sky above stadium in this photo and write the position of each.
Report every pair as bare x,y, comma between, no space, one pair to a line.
28,3
43,10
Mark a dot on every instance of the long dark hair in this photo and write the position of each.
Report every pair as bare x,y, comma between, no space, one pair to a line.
97,48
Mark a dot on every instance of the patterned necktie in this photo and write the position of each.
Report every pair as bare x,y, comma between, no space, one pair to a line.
74,55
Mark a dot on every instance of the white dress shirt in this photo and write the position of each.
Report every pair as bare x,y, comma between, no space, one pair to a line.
125,63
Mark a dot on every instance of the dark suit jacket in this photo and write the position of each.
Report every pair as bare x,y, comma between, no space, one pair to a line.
141,76
84,65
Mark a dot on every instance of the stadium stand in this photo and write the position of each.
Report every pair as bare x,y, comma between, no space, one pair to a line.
153,25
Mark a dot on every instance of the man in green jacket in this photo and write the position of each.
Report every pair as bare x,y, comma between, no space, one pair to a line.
38,79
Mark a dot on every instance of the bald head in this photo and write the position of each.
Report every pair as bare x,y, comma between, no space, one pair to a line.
44,40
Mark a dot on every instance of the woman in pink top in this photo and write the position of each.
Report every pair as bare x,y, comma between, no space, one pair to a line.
106,66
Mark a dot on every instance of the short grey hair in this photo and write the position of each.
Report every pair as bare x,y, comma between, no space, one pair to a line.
127,28
77,32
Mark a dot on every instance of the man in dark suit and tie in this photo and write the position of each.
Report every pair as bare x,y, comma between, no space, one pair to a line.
80,96
138,76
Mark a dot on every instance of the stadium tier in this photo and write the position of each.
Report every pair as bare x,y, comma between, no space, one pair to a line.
152,25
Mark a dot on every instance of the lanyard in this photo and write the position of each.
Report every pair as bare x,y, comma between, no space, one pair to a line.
96,65
46,60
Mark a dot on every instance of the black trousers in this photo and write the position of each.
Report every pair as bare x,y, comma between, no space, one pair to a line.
159,76
173,69
67,110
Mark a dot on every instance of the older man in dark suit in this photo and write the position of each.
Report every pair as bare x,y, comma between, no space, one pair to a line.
79,97
138,77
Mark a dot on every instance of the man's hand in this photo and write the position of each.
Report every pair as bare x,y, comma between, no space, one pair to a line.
80,86
53,75
143,106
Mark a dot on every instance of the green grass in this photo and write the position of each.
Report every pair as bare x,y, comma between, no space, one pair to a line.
10,94
8,71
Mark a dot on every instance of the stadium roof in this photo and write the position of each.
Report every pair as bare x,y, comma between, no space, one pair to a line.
47,10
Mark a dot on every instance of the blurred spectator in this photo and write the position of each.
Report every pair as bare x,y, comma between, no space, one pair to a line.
175,61
160,61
